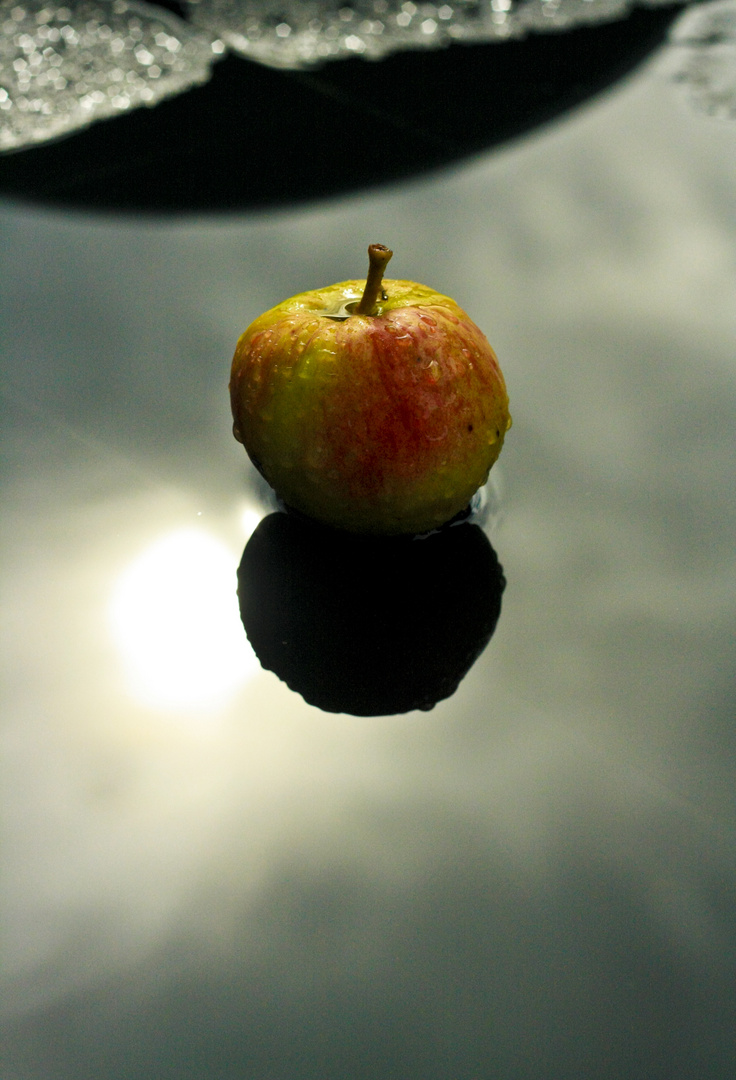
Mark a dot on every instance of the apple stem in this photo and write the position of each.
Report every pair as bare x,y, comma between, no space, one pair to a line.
378,257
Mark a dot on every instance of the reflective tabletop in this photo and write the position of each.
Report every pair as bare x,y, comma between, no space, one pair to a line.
205,876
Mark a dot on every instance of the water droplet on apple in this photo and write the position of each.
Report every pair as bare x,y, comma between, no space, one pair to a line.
341,310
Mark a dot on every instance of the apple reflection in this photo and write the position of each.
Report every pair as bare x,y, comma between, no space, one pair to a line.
369,627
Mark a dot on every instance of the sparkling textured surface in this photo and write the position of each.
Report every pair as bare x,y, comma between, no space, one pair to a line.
704,57
292,33
63,67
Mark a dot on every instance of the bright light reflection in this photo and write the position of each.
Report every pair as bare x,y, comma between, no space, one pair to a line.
250,519
175,619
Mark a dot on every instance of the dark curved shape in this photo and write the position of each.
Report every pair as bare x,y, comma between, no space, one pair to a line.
255,137
363,626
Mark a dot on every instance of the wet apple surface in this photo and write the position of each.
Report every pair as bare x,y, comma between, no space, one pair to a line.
382,422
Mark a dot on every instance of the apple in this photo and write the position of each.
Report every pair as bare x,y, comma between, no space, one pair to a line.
373,406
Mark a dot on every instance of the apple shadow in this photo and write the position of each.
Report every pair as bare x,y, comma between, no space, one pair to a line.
369,627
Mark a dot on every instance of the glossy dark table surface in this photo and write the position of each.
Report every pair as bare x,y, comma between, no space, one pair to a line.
207,877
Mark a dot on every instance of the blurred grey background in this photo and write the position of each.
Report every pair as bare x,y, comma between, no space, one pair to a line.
206,879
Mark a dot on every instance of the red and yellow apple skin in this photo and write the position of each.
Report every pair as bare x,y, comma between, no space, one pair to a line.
383,424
